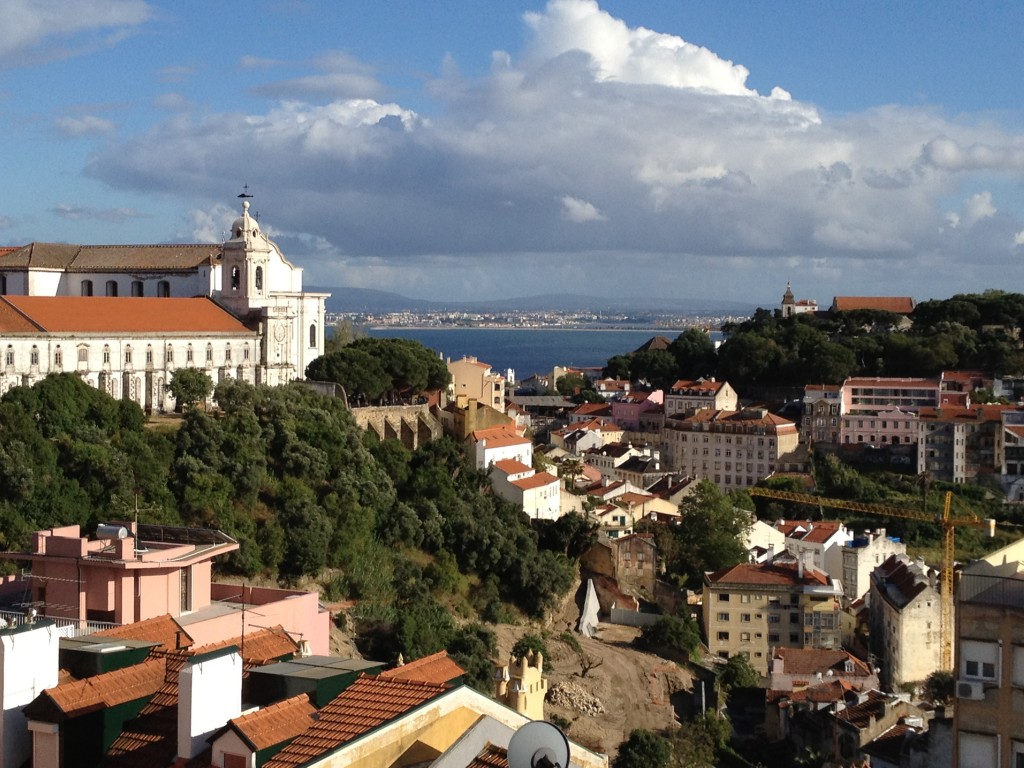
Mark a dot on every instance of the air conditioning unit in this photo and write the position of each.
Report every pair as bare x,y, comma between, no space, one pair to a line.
970,689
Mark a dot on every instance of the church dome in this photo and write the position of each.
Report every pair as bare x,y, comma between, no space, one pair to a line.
244,223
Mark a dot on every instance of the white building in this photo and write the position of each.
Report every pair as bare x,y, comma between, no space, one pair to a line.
862,555
538,493
124,318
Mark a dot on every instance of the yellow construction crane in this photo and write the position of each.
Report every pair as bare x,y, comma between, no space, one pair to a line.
949,522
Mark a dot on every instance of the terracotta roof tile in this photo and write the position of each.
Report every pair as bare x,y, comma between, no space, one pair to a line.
774,573
490,757
365,705
101,314
110,258
276,723
437,668
159,629
810,661
901,305
538,480
107,689
512,466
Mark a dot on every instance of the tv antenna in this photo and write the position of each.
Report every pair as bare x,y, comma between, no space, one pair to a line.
538,744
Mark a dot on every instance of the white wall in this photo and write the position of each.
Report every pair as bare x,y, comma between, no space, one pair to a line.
28,665
209,694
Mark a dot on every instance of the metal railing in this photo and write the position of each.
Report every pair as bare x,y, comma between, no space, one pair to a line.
66,627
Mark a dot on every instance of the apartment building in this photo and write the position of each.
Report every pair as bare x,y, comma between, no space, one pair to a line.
989,710
861,556
1010,453
959,444
753,608
823,408
816,542
905,612
734,449
685,396
473,380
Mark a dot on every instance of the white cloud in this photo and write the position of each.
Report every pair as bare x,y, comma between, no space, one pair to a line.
109,215
688,168
1018,239
579,211
37,25
86,125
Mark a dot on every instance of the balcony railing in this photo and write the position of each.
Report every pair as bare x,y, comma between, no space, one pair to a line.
65,627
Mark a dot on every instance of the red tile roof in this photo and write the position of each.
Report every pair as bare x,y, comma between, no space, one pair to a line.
901,305
368,703
107,258
99,692
159,629
888,382
101,314
512,466
811,661
592,409
538,480
976,413
490,757
437,668
705,387
275,724
813,532
767,574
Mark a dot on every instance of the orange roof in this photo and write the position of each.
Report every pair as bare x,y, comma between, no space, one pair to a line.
512,467
767,574
489,433
810,661
889,381
490,757
101,691
368,703
260,647
703,387
159,629
102,314
817,532
111,258
535,481
901,305
592,409
437,668
502,441
275,724
631,497
990,412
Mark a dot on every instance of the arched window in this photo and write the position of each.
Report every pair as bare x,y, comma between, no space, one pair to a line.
34,355
236,278
259,278
169,354
83,354
245,351
137,288
163,289
58,357
312,335
106,353
111,287
188,354
87,287
127,355
9,356
209,353
149,354
227,352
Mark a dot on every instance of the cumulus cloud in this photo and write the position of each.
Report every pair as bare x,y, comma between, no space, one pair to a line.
690,172
579,211
109,215
86,125
53,29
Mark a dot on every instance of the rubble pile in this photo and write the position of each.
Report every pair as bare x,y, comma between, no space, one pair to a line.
572,696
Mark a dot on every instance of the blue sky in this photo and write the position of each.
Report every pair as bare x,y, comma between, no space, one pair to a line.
477,149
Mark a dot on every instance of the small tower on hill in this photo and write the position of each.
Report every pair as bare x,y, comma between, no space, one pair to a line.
520,684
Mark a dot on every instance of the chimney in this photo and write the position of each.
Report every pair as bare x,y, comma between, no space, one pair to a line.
209,694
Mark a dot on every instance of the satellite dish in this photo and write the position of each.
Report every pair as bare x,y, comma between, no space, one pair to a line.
538,744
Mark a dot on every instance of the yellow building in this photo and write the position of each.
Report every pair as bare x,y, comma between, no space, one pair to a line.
473,380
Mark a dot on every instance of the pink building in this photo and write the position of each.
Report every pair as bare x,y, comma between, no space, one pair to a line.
129,573
626,410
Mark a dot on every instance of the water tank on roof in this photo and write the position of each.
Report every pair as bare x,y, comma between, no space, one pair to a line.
111,532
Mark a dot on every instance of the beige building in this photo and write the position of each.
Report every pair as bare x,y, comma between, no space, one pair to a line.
905,615
733,449
685,396
989,709
751,609
823,408
473,380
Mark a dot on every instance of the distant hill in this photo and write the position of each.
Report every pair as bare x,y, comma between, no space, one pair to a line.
368,300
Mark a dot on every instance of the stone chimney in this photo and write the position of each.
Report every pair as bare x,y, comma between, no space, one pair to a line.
209,694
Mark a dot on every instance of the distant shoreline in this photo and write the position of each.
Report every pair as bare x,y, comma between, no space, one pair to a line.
558,329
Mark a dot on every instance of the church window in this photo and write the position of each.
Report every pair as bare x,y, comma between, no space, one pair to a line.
9,357
245,352
58,357
259,278
87,287
169,355
127,355
137,289
188,354
236,278
312,335
163,289
227,353
83,354
111,287
106,354
34,355
209,353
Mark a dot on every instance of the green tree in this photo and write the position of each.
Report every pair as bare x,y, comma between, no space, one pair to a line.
643,749
939,687
671,636
190,386
694,353
709,535
737,673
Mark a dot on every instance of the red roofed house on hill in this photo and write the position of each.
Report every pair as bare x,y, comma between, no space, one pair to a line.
124,318
900,305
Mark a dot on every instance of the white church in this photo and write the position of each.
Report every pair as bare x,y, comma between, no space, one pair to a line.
125,317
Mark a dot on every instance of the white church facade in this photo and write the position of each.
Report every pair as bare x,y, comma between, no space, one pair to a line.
124,318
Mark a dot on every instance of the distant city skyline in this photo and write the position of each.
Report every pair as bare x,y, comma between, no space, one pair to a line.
486,150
